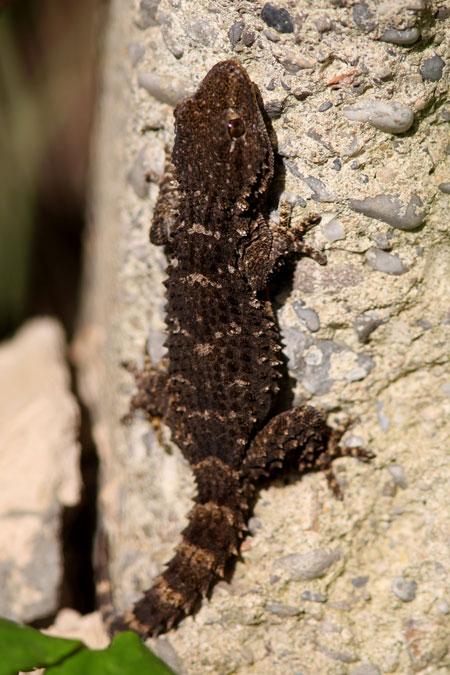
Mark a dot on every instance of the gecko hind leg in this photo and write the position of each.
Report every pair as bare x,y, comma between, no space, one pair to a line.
300,437
150,397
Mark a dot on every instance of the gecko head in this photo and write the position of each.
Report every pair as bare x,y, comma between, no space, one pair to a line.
222,149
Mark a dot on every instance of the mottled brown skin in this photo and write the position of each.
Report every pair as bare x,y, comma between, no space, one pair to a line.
220,385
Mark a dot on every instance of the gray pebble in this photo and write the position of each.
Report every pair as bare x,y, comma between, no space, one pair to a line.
147,14
391,210
235,32
444,187
323,23
365,324
278,18
431,69
363,17
354,148
171,37
442,13
359,89
314,357
385,262
274,109
136,51
312,133
248,37
308,596
328,626
404,589
400,37
308,316
310,361
383,419
302,94
445,388
202,31
365,364
325,106
365,669
271,35
424,323
353,441
359,582
321,192
389,489
282,610
293,62
389,116
345,657
293,168
165,89
383,240
337,164
398,474
248,655
310,565
334,230
443,607
254,524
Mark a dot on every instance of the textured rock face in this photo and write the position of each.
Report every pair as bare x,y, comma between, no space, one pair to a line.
367,334
39,468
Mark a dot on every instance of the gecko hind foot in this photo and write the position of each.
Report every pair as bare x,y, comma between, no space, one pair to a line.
335,450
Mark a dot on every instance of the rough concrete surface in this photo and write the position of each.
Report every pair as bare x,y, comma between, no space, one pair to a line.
39,467
360,120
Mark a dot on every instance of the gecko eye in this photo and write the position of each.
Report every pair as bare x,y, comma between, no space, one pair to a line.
236,127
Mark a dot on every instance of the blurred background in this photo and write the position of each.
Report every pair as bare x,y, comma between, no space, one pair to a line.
49,54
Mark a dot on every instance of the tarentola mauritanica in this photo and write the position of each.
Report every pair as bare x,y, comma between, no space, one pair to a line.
218,390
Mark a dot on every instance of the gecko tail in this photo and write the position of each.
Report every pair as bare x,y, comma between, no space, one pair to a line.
212,537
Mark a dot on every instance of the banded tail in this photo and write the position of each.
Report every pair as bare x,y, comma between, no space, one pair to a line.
212,537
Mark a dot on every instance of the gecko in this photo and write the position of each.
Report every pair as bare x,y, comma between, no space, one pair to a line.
218,387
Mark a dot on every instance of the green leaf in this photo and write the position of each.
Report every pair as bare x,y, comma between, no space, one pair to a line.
126,655
23,648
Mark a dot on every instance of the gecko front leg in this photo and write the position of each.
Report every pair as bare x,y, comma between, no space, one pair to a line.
269,245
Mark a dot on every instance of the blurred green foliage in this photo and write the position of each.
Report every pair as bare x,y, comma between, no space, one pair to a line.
48,54
20,149
23,648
